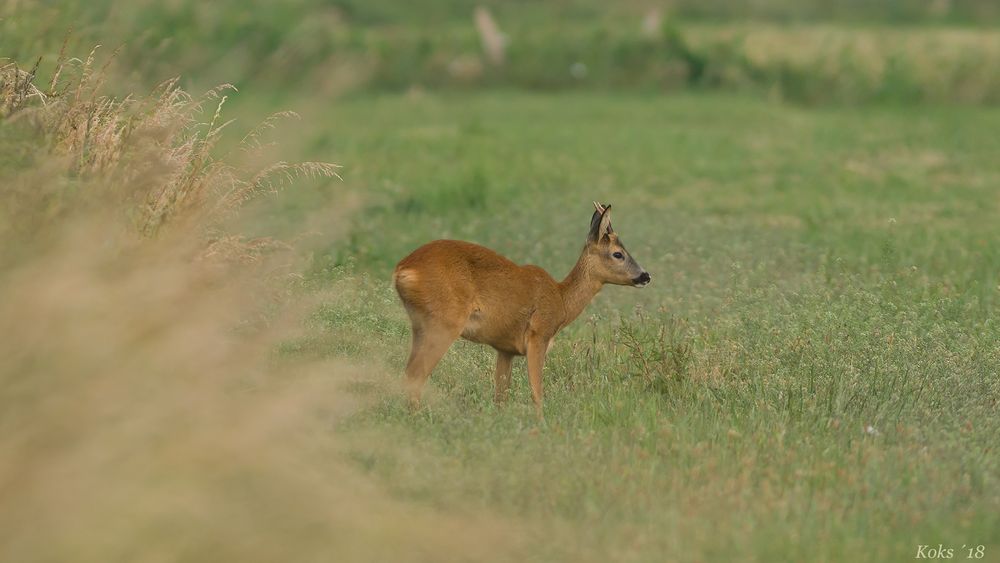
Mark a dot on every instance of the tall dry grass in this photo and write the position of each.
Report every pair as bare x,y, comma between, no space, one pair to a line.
143,416
151,159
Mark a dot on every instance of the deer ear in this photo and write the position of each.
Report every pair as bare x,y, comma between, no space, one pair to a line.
600,222
605,228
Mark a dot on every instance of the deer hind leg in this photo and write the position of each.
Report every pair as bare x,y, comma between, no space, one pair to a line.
537,349
501,378
431,339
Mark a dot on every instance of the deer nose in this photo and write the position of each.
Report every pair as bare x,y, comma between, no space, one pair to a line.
642,281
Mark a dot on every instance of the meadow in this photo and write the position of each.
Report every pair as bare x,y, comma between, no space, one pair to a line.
202,352
811,375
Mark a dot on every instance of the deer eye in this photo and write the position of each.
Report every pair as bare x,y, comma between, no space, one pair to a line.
619,255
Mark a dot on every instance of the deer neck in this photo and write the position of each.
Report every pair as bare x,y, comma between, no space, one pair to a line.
578,290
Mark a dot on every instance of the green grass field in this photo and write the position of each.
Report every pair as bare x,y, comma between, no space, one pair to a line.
812,374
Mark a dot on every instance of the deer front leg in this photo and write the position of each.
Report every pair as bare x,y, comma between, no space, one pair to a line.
536,361
501,379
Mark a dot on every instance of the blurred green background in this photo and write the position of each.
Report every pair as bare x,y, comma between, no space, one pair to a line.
809,51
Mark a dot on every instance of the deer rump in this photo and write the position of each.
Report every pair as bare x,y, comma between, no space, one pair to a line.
469,291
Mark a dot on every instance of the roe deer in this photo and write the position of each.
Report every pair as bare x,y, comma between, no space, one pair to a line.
452,288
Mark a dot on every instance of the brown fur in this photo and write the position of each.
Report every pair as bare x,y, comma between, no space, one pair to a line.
455,289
